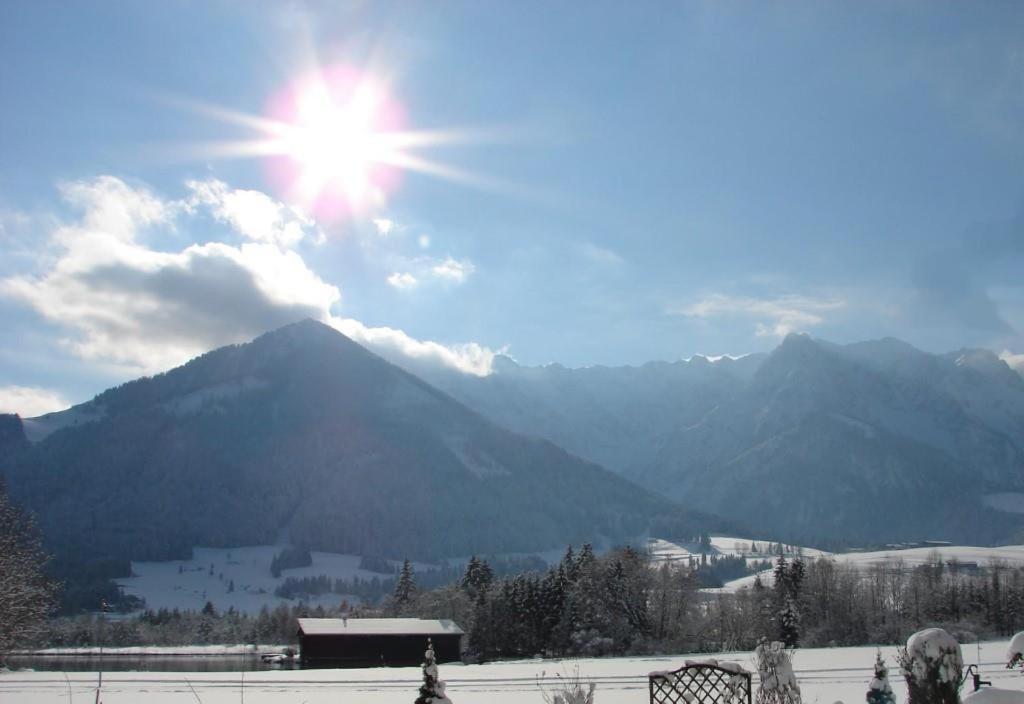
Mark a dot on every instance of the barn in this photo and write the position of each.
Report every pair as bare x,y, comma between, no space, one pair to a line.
367,642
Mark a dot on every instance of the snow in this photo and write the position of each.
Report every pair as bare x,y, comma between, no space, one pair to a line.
664,551
993,695
163,586
935,645
824,674
1015,652
378,626
1012,555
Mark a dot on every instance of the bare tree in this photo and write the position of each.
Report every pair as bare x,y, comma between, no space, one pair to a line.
26,595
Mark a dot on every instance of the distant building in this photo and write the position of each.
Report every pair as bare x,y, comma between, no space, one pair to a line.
368,642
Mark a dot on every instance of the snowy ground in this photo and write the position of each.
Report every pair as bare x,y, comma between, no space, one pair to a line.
665,551
189,584
1012,555
826,675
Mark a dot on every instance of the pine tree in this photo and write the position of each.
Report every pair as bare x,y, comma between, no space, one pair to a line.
405,587
880,691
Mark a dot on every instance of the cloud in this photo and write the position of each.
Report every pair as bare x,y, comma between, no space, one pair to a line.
456,271
1015,361
253,214
397,346
423,241
777,316
30,401
601,255
123,302
384,226
402,280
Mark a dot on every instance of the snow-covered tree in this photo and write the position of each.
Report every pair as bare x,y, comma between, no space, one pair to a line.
932,665
432,689
880,691
405,587
778,683
789,578
26,594
477,578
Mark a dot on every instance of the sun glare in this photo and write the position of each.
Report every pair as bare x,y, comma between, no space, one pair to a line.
335,142
338,135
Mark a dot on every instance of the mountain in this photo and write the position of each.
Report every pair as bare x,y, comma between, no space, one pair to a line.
618,417
873,441
868,442
305,435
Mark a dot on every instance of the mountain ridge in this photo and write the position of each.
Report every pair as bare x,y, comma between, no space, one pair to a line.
303,432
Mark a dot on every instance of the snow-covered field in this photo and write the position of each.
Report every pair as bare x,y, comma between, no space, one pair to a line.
1012,555
208,576
665,551
825,674
189,584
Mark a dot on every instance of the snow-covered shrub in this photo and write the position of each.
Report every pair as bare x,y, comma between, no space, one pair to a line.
880,691
432,689
569,689
1015,653
775,670
932,665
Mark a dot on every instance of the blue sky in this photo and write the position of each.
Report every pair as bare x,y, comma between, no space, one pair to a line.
636,181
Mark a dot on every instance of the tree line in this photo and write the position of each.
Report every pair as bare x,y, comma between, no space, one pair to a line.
621,603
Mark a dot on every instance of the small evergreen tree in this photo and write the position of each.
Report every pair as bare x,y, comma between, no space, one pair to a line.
432,689
880,691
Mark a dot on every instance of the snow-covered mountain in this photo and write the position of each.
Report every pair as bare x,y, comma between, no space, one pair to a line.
304,434
815,441
619,417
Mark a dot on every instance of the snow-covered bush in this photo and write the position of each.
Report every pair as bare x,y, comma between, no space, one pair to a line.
775,670
569,689
880,691
1015,653
932,665
432,689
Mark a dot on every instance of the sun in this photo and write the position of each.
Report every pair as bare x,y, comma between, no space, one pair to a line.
335,142
339,137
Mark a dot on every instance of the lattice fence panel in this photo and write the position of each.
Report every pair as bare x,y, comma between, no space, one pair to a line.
700,684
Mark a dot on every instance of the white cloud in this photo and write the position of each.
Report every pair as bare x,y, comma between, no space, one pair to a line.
456,271
469,358
123,302
774,316
384,226
402,280
30,401
1015,361
253,214
423,241
601,255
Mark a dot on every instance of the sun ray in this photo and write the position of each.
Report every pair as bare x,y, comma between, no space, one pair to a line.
335,142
